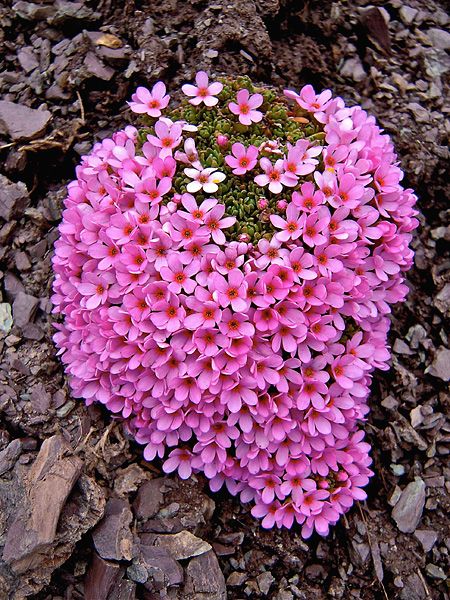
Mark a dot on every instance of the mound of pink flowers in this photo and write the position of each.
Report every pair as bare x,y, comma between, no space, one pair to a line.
224,274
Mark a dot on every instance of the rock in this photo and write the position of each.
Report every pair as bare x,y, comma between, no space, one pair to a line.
161,566
427,537
6,320
104,580
442,300
129,479
440,367
50,480
137,573
413,588
420,113
416,417
24,307
401,347
65,12
408,14
33,12
236,578
112,536
180,545
27,59
22,123
264,581
13,198
9,455
94,67
408,510
435,572
375,21
353,69
149,499
204,577
22,261
439,38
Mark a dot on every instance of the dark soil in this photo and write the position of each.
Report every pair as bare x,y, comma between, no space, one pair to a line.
82,515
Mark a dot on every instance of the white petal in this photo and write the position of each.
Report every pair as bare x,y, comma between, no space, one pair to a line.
218,177
192,173
194,186
209,188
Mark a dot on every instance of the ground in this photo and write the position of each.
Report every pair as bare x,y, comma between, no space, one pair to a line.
81,514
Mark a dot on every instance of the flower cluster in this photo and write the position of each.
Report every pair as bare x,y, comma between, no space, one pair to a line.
224,276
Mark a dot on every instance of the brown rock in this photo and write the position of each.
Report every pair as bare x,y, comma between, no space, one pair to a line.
180,545
161,567
104,581
9,455
112,536
24,307
203,576
49,482
21,122
149,499
13,198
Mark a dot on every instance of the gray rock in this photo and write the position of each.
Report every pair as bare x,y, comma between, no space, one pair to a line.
94,67
27,59
420,113
401,347
33,12
13,198
65,12
24,307
236,578
353,69
439,38
427,537
264,581
6,320
408,14
440,367
442,300
435,572
413,588
9,455
22,123
408,510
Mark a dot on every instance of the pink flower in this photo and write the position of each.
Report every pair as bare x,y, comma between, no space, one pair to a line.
180,460
179,275
214,223
168,137
245,107
150,102
230,291
204,91
243,159
314,226
309,100
291,227
274,176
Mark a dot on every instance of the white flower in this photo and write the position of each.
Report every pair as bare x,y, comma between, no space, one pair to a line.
204,179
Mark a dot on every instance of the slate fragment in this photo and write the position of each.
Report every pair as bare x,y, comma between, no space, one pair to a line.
112,536
49,483
24,307
408,510
13,198
203,576
20,122
181,546
104,581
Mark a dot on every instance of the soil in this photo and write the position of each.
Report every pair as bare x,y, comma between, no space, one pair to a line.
81,513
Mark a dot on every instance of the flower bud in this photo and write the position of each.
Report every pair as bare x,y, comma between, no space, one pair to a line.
222,141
